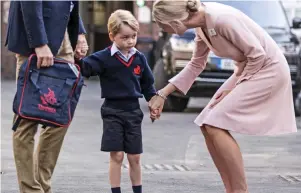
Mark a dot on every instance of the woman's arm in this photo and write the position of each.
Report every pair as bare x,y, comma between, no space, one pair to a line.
184,80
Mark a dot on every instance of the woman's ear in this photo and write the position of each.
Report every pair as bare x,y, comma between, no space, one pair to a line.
175,24
111,36
191,15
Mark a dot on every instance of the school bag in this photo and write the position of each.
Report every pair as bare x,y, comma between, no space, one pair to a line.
48,96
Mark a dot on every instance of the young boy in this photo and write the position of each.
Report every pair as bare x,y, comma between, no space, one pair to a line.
124,77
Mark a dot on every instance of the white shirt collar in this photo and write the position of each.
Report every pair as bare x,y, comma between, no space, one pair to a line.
115,49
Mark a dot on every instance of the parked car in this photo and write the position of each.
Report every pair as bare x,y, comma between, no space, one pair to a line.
177,51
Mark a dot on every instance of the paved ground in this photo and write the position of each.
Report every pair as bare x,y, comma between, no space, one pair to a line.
175,159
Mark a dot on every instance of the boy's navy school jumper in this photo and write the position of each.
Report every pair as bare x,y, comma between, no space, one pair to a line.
122,84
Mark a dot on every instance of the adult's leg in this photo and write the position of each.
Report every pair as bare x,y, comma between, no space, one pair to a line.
23,147
229,157
218,163
47,153
51,139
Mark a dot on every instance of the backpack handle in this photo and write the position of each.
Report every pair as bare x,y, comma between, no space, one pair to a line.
69,83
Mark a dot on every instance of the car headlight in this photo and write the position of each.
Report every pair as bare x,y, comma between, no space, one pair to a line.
178,44
288,47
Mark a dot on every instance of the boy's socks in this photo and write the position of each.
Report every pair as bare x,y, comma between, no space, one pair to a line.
137,189
116,190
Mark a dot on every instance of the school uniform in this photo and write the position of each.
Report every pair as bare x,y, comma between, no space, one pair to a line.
123,81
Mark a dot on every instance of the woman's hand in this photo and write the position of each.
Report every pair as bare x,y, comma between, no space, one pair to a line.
219,97
156,103
155,106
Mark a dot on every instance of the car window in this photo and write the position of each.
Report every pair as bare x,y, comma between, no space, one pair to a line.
188,35
265,13
268,14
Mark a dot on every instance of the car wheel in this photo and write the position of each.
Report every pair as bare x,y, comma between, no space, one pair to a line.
172,103
297,104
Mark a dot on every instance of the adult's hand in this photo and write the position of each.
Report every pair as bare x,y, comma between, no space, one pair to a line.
44,55
220,97
155,107
81,47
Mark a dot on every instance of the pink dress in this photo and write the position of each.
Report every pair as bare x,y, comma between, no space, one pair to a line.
261,102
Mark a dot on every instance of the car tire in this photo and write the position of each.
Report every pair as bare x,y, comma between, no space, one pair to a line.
172,103
297,104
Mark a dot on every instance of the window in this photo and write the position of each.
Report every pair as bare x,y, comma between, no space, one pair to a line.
99,13
298,12
265,13
289,13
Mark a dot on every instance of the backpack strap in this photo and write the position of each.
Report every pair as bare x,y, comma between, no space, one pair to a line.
16,123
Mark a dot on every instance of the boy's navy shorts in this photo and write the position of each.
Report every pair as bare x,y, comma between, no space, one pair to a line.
121,129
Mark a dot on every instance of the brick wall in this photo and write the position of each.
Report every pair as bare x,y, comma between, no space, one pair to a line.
8,61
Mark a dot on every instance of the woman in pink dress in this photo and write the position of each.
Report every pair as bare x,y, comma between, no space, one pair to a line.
256,100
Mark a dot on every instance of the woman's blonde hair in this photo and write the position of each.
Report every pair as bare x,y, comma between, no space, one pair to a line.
167,10
121,17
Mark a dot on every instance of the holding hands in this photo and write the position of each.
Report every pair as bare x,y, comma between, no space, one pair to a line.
81,47
156,105
46,58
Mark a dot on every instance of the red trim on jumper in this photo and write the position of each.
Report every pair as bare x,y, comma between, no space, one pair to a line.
23,90
127,64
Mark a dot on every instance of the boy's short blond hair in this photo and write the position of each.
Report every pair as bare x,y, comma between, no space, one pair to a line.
120,17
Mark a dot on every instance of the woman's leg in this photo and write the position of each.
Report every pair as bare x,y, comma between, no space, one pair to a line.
218,163
229,157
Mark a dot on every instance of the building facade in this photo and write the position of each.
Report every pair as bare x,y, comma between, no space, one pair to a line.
8,60
95,15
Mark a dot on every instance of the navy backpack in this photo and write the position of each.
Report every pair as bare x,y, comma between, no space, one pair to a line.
48,96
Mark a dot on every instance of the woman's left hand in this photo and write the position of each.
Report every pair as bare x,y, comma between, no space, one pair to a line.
156,106
219,97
